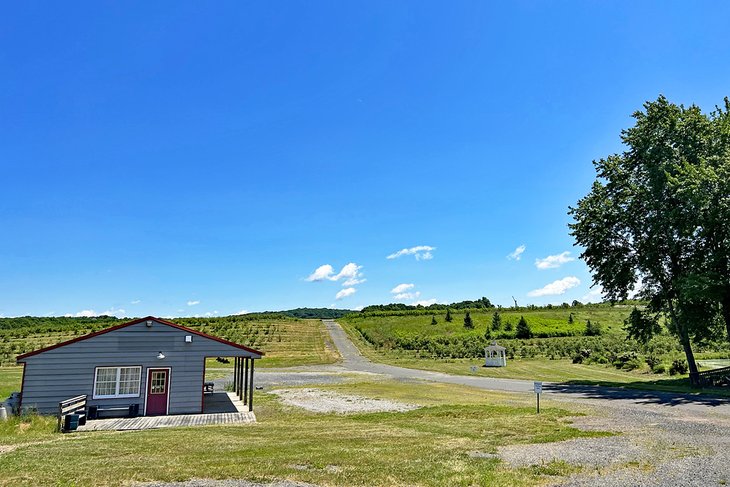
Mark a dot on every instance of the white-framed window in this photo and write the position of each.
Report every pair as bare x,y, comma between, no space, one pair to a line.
110,382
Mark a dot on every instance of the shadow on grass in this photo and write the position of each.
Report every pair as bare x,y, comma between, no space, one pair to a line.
668,392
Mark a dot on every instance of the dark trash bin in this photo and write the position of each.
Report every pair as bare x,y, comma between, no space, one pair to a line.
71,422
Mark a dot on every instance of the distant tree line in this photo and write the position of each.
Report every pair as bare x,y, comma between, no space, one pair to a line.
481,303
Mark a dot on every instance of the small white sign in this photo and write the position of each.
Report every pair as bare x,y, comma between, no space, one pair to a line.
538,387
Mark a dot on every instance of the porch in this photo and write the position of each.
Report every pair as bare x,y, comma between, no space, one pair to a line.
220,408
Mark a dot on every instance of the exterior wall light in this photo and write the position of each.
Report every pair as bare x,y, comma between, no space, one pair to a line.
149,323
160,356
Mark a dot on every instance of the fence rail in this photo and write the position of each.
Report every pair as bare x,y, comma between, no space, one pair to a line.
714,377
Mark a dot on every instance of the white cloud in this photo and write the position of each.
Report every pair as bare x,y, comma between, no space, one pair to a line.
426,302
321,273
349,272
517,254
556,287
242,312
136,301
407,296
401,288
211,313
193,303
119,313
85,313
420,252
348,291
595,295
553,261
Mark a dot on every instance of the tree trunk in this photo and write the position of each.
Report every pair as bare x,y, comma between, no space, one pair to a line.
684,340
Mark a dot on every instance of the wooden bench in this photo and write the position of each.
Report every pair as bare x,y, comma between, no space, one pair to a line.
72,406
131,411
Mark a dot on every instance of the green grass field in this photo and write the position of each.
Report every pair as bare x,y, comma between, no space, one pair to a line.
298,342
9,380
427,446
540,367
553,322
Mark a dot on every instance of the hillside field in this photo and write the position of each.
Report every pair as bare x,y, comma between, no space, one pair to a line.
557,351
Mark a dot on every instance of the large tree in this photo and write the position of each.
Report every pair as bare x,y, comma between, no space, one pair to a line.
653,221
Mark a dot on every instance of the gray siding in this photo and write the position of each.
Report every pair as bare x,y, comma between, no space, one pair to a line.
68,371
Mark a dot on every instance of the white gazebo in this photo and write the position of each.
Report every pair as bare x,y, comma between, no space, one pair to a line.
495,356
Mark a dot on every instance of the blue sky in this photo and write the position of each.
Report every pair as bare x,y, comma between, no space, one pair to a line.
191,158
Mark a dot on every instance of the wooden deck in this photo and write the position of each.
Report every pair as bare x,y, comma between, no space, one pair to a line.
224,408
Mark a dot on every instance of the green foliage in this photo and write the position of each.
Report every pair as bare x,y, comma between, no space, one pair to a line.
496,321
433,320
317,313
468,323
592,329
448,315
678,367
523,329
571,320
481,303
658,213
641,325
411,336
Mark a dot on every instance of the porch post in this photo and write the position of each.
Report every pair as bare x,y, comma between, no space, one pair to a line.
240,377
245,380
235,374
250,390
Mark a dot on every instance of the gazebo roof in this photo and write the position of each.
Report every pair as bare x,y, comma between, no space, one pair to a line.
494,346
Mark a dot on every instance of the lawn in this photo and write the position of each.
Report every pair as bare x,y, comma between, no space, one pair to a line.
10,378
427,446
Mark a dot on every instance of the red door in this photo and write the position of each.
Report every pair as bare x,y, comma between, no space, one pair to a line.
158,389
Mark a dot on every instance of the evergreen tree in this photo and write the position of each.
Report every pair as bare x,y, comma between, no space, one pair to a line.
570,319
592,329
468,323
523,329
433,320
448,315
496,321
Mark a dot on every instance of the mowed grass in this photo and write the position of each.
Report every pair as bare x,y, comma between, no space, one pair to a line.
10,378
430,446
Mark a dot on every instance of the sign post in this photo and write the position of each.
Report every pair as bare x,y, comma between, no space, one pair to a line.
538,390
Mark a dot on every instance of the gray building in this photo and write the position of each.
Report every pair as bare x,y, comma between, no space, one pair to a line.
153,363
